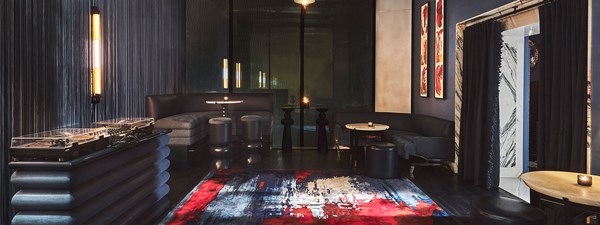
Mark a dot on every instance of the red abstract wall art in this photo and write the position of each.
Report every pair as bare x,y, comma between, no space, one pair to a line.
424,48
439,49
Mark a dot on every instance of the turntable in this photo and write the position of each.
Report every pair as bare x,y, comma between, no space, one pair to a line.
58,145
136,126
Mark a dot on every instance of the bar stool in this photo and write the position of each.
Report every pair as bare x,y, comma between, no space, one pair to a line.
220,140
252,138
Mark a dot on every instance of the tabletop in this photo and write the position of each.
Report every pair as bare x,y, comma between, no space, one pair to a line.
365,127
224,102
558,184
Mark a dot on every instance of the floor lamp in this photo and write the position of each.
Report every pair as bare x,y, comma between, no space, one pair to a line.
303,103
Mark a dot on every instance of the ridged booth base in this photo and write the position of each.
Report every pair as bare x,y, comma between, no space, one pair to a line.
113,186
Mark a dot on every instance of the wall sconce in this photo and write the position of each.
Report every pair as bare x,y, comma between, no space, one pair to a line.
262,79
225,73
259,79
238,75
96,56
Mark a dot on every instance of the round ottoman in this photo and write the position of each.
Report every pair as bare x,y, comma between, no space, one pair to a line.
252,136
220,140
505,211
381,160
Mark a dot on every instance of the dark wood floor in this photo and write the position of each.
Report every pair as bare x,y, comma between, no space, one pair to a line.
443,186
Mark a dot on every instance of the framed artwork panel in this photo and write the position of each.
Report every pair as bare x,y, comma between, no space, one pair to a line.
424,49
439,49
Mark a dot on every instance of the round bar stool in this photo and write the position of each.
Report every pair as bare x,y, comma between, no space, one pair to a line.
505,211
220,140
381,160
252,138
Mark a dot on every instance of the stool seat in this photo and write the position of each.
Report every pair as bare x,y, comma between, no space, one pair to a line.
505,211
251,118
381,160
220,120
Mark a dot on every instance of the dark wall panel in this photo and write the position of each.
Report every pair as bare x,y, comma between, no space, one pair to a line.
207,41
44,64
456,12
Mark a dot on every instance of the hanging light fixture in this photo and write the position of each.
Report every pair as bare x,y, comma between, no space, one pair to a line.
238,75
225,73
96,56
304,2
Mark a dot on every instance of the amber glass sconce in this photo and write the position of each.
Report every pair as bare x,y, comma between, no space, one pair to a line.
96,56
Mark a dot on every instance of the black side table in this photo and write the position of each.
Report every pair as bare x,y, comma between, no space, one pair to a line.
322,123
287,121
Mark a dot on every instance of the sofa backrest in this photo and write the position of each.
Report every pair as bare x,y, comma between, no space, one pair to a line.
160,106
422,124
432,126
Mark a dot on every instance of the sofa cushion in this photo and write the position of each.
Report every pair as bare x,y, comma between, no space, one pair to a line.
184,132
188,128
184,140
182,121
404,140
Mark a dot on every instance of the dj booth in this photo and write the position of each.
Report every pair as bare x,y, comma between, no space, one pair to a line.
112,174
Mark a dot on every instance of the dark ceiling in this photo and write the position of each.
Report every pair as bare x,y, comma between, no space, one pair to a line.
286,13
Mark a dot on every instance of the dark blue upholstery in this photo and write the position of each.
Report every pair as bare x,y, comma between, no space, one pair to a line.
415,135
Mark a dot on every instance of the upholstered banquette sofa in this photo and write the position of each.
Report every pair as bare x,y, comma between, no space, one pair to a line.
426,137
188,114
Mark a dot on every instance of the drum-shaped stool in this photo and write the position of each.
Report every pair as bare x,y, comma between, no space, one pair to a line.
505,211
220,140
252,137
381,160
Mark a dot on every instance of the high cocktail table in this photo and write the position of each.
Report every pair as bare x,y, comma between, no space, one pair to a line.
559,190
224,104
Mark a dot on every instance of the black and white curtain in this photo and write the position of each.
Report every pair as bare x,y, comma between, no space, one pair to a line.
479,156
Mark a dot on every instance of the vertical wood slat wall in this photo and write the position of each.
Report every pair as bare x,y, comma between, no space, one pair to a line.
44,65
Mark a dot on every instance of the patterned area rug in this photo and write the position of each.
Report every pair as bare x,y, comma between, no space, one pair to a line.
303,197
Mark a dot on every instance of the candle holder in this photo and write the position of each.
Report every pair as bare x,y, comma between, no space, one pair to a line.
225,98
584,180
370,124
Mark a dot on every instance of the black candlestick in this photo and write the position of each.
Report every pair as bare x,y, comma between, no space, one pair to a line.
322,122
287,121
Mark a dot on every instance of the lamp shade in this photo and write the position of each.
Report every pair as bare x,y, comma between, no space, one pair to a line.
225,73
238,75
96,52
304,2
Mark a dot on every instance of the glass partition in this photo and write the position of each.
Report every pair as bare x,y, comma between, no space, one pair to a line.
339,64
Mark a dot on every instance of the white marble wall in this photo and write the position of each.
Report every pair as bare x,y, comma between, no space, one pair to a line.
511,95
393,56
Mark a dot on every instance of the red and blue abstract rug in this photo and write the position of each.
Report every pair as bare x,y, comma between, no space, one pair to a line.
303,197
